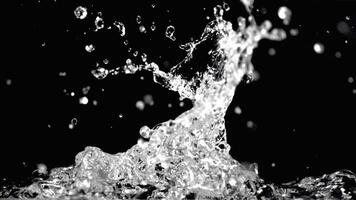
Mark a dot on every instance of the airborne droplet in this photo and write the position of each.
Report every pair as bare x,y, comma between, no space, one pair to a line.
318,48
170,32
80,12
285,14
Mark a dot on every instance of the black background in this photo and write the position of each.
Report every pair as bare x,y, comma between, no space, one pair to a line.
303,104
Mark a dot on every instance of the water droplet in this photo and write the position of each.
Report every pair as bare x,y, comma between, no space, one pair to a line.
142,29
237,110
85,90
80,12
294,32
83,100
285,14
121,28
148,99
126,42
218,12
42,168
153,27
62,74
144,57
338,54
350,79
271,51
135,53
145,132
347,18
140,105
153,5
226,6
138,19
100,73
8,82
121,116
318,48
99,23
170,32
89,48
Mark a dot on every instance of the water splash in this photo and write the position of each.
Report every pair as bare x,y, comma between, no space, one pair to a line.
187,157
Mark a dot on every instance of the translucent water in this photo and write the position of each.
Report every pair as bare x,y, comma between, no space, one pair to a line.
187,157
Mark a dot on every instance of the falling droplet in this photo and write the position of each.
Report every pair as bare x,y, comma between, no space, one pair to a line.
80,12
89,48
285,14
142,29
145,132
238,110
100,73
121,28
170,32
153,27
140,105
83,100
99,23
318,48
138,19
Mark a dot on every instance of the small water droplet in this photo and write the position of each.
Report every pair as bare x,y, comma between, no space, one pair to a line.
138,19
100,73
99,23
153,27
285,14
238,110
83,100
80,12
145,132
121,28
170,32
142,29
318,48
144,57
140,105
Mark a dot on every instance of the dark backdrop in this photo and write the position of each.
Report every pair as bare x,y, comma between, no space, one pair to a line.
302,107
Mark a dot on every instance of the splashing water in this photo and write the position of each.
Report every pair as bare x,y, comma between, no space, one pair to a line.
187,157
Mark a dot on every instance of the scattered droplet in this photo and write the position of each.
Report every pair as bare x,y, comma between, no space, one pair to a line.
138,19
62,74
226,6
42,168
106,61
142,29
285,14
318,48
148,99
338,54
95,102
121,116
350,79
169,105
144,57
218,12
100,73
89,48
99,23
72,94
170,32
153,27
271,51
347,18
153,5
181,104
343,28
8,82
121,28
238,110
135,53
80,12
140,105
273,164
294,32
145,132
83,100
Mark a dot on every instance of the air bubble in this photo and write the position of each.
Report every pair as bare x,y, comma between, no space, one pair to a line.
80,12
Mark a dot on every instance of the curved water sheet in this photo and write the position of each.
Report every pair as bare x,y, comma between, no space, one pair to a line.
187,157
